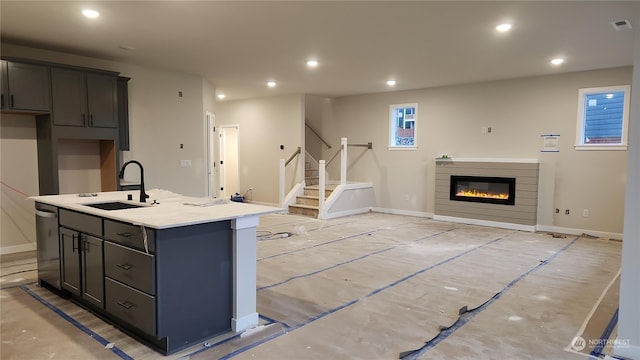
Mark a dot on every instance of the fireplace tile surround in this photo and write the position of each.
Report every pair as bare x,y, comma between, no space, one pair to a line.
522,215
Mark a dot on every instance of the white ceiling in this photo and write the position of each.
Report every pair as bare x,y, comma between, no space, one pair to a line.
239,45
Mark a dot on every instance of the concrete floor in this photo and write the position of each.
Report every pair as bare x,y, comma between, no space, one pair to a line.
369,286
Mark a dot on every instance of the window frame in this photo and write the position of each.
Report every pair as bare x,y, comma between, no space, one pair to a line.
393,127
582,94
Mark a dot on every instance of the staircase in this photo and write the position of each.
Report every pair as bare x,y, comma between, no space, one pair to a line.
307,204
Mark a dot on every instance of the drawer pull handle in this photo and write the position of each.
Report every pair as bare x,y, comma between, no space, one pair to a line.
126,234
124,266
125,304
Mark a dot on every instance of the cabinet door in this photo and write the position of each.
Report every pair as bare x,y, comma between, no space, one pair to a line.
69,97
92,270
28,87
102,93
70,258
3,85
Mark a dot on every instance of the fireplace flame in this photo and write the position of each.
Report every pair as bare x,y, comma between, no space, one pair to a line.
480,194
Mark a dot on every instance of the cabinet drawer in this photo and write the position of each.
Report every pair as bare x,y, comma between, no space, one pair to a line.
129,266
131,305
81,222
130,235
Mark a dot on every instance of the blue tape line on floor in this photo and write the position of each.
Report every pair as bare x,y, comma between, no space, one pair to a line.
352,302
272,321
466,317
606,334
350,261
75,323
325,269
313,246
332,241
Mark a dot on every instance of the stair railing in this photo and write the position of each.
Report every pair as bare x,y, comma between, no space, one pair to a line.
317,135
343,160
343,172
283,166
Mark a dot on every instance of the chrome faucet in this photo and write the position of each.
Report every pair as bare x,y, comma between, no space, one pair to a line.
143,195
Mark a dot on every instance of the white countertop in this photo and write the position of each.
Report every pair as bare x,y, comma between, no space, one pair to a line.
172,210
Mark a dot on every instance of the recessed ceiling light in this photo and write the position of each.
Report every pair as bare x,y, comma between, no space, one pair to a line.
271,83
391,83
221,96
90,13
557,61
312,63
503,27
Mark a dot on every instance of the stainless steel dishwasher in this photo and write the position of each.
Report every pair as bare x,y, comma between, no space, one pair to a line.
48,245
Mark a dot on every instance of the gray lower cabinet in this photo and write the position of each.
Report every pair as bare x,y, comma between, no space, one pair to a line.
131,305
169,288
81,265
81,256
70,260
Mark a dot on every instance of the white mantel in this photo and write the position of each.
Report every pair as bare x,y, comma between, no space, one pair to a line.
494,160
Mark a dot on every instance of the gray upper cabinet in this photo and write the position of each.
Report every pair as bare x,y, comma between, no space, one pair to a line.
3,85
83,98
102,94
69,97
25,87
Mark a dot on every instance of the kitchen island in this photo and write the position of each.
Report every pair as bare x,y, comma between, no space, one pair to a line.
173,271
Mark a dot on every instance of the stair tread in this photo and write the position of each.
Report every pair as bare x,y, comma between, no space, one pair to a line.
304,206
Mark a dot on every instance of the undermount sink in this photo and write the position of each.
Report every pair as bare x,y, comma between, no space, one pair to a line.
114,205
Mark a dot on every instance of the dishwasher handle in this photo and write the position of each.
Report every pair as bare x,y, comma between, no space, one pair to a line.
46,214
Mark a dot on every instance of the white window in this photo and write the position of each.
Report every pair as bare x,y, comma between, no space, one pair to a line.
403,119
603,118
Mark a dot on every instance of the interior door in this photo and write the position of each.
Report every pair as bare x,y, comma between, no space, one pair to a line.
229,161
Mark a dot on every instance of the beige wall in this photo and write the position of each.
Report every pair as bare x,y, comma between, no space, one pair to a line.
317,110
450,120
19,176
263,125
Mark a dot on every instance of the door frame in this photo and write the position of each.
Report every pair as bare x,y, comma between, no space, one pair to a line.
222,169
211,155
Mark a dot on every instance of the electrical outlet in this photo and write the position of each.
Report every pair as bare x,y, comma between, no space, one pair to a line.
585,213
557,211
566,211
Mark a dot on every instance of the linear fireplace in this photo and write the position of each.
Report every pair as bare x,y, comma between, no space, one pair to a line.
493,190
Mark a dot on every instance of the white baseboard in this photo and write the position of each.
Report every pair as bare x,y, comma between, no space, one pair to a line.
17,249
503,225
244,323
346,213
402,212
572,231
